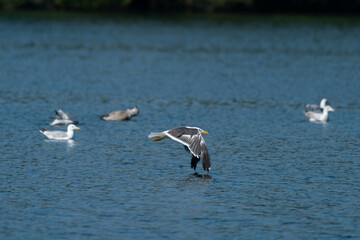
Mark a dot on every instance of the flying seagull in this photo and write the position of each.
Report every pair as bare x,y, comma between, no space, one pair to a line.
63,118
60,135
192,140
313,107
319,116
121,115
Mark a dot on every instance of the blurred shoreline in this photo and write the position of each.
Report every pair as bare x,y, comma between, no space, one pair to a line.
351,7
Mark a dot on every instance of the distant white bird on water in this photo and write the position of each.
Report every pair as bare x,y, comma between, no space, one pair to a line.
121,115
319,116
313,107
60,135
63,118
192,140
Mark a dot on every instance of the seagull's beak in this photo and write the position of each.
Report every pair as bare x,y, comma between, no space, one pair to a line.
331,109
205,132
77,128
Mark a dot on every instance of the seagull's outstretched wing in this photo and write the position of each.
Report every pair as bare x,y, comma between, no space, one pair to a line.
58,115
193,140
187,136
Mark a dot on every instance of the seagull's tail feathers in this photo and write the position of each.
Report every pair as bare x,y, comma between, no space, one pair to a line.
42,130
157,136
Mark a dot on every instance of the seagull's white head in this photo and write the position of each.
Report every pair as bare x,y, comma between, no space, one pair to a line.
329,109
134,111
72,127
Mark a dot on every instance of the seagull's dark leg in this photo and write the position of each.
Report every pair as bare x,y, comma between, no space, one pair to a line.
194,161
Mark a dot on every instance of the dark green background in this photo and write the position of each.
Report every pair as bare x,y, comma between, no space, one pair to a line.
208,6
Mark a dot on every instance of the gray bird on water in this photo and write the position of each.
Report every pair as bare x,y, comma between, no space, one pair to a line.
121,115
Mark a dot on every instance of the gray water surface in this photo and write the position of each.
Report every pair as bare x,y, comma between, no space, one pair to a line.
245,81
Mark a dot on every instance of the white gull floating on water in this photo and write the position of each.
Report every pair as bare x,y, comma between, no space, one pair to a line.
191,138
63,118
319,116
60,135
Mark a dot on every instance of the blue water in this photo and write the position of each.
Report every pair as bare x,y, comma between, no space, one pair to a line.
244,80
